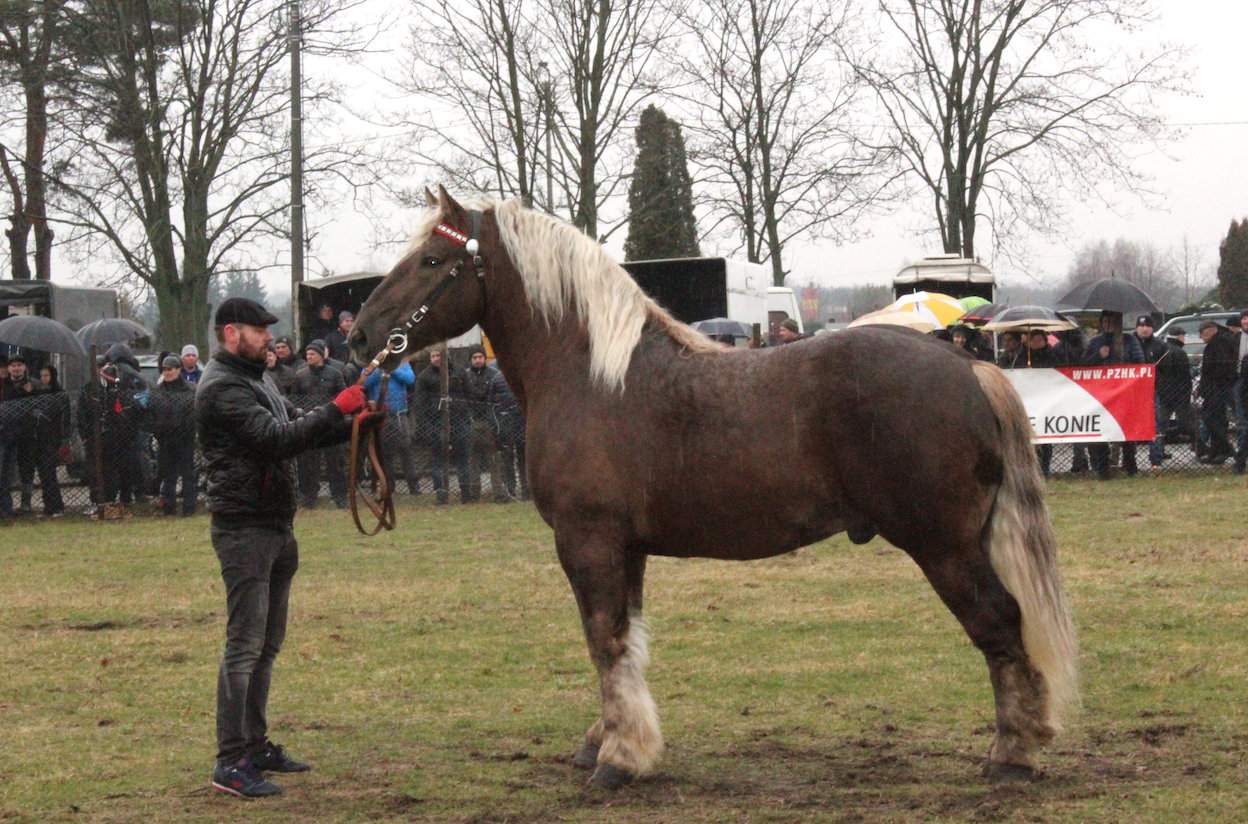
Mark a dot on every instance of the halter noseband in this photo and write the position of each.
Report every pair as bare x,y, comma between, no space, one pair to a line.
397,340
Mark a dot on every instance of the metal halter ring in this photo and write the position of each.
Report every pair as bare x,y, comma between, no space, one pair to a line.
396,342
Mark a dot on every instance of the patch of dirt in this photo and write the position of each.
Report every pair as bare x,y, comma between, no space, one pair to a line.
146,622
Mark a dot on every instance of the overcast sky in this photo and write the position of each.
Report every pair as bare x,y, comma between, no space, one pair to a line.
1201,181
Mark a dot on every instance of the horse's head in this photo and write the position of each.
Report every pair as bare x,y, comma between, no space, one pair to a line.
436,292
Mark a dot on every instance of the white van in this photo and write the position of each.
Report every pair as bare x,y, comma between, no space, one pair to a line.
782,305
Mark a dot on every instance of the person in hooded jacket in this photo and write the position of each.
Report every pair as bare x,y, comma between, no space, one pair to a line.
316,384
283,376
1111,346
52,422
171,417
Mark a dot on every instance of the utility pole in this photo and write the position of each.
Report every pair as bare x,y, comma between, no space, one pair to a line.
294,39
543,76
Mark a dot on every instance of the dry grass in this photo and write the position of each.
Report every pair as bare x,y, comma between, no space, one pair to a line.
438,674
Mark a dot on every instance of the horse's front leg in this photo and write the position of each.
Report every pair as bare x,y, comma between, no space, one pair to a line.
625,742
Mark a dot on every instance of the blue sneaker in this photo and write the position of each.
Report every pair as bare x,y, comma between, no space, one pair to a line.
273,758
243,780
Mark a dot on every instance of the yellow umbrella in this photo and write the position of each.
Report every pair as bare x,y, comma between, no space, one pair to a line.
891,316
942,309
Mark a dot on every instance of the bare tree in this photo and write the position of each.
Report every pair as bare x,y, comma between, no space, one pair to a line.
184,158
493,105
27,34
995,105
774,137
1155,270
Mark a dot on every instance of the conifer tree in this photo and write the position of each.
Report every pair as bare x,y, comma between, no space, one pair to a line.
660,198
1233,266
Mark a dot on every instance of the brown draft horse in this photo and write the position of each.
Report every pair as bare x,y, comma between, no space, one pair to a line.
646,438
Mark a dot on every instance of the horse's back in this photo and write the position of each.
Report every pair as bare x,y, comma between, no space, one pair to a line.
749,453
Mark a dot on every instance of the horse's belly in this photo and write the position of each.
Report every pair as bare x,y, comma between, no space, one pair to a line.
741,532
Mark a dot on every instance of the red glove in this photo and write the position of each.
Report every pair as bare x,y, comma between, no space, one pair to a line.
350,400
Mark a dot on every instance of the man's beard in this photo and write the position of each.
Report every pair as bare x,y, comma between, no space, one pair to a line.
252,352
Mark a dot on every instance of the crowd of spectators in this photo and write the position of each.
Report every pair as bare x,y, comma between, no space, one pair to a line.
1221,387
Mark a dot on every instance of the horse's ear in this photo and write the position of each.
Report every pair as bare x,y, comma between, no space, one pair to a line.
431,200
446,204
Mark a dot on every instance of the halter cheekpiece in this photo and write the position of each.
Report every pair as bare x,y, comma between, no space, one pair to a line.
396,341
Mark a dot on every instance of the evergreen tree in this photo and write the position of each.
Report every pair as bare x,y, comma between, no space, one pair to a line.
1233,266
660,198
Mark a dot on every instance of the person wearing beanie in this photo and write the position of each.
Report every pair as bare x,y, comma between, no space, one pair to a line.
284,348
788,331
171,419
336,341
317,382
1216,390
249,433
190,364
1155,350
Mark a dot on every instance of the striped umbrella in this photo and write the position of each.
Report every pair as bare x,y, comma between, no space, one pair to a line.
941,309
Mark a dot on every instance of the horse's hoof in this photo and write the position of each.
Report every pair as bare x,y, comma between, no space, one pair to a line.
586,757
1002,772
607,777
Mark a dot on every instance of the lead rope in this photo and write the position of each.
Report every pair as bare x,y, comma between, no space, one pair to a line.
378,497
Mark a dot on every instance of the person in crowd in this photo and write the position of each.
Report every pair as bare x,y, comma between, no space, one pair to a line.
286,354
190,364
483,452
1237,393
788,331
1216,387
1013,353
315,385
171,416
1069,352
52,421
115,402
324,324
1040,355
14,420
1173,393
283,376
1111,346
509,432
969,338
432,431
398,432
22,390
249,433
336,341
1154,350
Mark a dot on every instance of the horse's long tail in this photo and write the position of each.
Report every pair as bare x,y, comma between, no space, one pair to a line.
1023,551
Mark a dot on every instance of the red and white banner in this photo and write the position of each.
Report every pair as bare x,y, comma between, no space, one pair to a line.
1088,404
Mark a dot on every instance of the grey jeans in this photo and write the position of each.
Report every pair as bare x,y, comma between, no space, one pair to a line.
257,565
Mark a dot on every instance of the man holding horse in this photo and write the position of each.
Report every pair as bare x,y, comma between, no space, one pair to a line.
249,432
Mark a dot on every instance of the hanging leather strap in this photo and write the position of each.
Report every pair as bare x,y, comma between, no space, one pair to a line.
378,496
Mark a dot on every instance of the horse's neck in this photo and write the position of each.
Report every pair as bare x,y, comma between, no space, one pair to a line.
534,355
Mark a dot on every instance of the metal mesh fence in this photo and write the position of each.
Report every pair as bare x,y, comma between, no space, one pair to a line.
72,452
66,452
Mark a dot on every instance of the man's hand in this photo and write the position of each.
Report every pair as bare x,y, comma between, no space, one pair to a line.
370,419
350,400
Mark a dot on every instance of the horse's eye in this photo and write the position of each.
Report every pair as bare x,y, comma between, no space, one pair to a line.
431,261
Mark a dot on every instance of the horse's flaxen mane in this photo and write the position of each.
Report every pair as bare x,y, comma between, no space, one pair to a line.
564,269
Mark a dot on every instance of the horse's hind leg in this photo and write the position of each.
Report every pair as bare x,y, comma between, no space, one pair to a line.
967,584
625,742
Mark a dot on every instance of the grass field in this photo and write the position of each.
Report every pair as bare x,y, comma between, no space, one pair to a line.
438,673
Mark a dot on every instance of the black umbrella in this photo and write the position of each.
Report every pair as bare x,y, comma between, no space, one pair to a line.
1108,295
106,332
40,333
723,326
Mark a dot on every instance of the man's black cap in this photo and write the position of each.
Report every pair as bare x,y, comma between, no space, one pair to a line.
241,310
1144,320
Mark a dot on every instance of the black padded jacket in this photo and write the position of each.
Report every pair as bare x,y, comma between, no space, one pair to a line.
248,433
